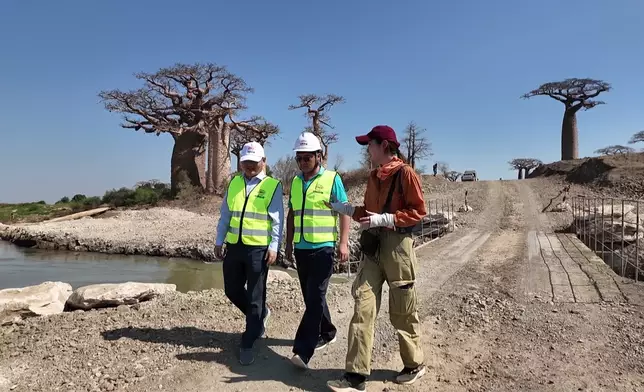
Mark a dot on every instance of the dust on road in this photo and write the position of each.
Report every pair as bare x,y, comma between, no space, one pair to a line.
506,304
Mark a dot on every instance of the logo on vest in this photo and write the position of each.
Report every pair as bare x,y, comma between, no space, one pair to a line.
261,194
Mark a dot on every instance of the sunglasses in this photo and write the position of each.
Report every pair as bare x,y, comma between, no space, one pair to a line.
303,158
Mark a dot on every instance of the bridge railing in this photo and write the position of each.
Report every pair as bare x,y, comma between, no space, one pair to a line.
611,228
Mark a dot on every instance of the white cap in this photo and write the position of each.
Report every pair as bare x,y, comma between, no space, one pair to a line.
252,151
307,142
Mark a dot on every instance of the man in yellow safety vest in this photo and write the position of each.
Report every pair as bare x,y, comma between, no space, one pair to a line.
312,227
250,223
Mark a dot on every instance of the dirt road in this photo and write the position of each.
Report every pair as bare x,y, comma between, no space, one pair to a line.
506,304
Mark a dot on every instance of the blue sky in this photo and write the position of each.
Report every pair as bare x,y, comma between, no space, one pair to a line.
456,68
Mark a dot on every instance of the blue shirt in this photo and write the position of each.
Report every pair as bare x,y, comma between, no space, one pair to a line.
338,194
275,211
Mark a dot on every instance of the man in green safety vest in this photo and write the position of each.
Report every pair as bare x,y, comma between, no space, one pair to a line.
250,223
313,228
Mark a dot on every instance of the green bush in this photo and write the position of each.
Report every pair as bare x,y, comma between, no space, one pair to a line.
63,200
91,202
78,198
144,193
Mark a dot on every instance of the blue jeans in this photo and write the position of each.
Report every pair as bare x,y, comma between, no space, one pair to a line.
314,268
245,266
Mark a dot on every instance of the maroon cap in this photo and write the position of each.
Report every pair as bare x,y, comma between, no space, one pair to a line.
380,133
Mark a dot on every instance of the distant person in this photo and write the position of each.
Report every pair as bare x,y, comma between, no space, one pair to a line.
393,205
435,168
312,226
250,224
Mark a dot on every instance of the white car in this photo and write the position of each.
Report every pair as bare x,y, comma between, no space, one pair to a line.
469,175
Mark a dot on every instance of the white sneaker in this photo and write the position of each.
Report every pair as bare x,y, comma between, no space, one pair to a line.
299,362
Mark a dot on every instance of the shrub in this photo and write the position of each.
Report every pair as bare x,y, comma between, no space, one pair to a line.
63,200
78,198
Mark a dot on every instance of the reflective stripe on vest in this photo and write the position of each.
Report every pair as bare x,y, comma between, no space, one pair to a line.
312,219
250,213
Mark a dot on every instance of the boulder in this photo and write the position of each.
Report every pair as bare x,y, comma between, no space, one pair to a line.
40,300
464,208
277,276
115,294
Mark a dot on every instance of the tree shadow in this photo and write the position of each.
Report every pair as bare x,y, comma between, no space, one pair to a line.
222,348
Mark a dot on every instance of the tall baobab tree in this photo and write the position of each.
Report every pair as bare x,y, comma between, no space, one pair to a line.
524,165
415,144
317,109
575,94
191,103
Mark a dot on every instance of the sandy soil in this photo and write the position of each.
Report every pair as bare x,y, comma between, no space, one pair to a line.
506,304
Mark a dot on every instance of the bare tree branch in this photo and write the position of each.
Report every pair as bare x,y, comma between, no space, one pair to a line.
415,144
255,129
317,108
615,150
637,138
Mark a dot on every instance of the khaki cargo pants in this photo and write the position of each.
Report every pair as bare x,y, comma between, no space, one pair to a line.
396,265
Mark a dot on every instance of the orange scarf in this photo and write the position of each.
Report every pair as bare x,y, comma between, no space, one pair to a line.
385,170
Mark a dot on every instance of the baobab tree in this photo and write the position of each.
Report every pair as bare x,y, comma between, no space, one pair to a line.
257,129
191,103
415,144
524,165
615,150
575,94
317,109
637,138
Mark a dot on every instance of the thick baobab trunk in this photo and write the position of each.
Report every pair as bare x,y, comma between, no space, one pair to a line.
188,162
569,135
520,175
220,157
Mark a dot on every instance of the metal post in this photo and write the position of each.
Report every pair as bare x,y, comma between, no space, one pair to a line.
602,243
637,242
612,233
624,257
585,224
595,227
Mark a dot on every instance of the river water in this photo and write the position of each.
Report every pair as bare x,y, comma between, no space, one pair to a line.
21,267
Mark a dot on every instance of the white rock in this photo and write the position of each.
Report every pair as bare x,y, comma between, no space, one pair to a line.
39,300
464,208
562,207
115,294
277,275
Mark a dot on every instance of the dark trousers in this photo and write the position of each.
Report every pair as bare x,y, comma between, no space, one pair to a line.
245,266
314,268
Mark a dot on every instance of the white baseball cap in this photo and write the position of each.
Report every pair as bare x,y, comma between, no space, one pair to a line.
252,151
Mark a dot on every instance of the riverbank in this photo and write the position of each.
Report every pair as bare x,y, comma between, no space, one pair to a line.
159,231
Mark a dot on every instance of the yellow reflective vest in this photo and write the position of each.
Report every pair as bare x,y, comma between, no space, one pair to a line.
312,219
249,221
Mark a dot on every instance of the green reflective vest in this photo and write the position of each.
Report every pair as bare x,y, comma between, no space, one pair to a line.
249,219
313,220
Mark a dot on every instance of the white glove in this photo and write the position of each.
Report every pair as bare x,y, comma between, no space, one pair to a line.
381,220
343,208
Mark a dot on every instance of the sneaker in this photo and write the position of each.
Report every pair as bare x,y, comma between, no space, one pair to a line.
300,362
246,356
410,375
323,343
265,323
348,383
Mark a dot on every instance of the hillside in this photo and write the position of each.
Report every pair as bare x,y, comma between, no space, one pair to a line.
623,174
